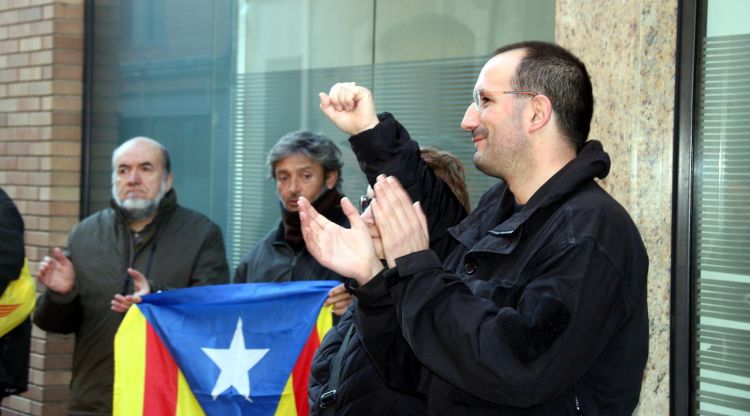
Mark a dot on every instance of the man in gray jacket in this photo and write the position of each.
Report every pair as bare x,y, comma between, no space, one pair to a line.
110,254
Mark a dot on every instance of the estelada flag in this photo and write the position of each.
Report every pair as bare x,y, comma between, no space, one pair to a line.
17,301
241,349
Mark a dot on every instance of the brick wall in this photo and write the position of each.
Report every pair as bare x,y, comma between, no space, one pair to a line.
41,72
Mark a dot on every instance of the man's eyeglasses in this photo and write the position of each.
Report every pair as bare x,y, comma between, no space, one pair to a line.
364,202
477,95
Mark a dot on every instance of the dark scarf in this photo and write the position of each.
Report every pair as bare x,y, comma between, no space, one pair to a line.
329,201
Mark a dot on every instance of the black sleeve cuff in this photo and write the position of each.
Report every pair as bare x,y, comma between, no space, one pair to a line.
411,264
60,298
386,122
371,293
350,285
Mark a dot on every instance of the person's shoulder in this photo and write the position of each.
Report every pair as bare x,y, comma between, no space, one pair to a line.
100,223
189,213
107,216
6,203
260,246
593,214
593,203
8,210
198,222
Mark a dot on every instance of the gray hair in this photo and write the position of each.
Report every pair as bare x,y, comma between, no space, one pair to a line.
316,147
166,162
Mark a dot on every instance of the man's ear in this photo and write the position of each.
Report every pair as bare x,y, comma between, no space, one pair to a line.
541,112
170,180
331,178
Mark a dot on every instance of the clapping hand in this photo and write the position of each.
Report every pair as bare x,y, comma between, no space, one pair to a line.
56,272
347,251
402,224
121,303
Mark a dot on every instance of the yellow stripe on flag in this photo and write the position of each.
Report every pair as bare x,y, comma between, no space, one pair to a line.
187,404
287,405
325,321
130,364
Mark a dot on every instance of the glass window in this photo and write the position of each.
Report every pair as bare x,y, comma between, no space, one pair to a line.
721,215
162,69
218,82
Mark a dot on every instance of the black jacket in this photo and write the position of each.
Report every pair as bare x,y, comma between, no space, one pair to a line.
14,345
537,311
12,252
181,248
274,260
361,390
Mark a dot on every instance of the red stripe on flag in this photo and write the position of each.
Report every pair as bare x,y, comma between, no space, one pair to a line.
6,310
160,387
301,373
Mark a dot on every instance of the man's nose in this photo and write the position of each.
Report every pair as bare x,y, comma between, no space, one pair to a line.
134,176
471,118
294,185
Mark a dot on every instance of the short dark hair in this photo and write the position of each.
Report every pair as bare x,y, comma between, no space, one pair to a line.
317,147
553,71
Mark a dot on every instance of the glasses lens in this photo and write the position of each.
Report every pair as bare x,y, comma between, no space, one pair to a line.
364,202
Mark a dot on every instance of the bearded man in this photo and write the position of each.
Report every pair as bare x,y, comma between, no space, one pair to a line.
144,233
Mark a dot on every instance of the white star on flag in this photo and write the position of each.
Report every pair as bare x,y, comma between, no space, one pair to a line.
234,364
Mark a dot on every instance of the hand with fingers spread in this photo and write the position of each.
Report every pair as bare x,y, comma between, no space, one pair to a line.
402,224
340,298
347,251
56,272
350,107
121,303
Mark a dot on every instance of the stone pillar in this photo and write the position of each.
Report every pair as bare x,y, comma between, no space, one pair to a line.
629,48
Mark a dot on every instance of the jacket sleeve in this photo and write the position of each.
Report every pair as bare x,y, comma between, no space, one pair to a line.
388,149
58,313
11,241
377,325
518,356
320,368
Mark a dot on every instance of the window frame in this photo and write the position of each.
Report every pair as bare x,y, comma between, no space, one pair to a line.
682,329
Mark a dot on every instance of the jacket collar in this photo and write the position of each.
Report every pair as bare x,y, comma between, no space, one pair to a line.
328,204
495,215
